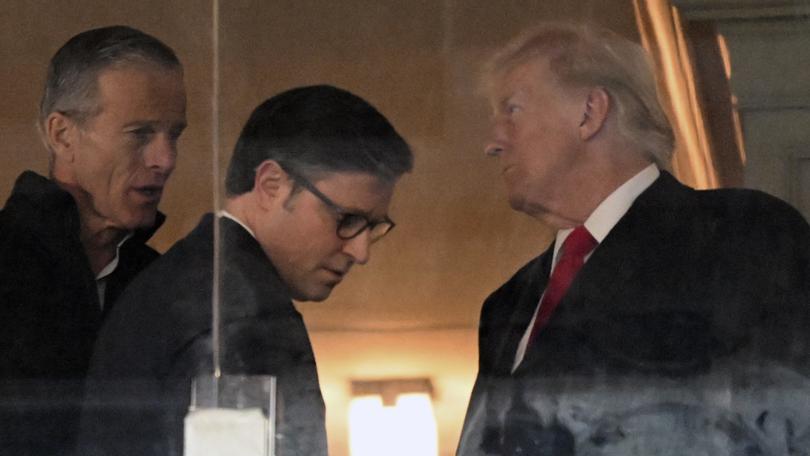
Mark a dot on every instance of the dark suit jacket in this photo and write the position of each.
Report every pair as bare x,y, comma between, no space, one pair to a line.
50,314
159,337
686,278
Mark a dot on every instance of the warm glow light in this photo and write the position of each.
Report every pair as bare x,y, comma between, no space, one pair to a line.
724,54
405,429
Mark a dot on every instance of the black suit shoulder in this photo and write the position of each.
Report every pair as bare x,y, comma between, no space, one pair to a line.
160,336
132,341
764,230
686,282
730,261
50,311
749,207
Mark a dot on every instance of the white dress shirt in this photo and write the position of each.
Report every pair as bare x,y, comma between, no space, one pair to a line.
599,224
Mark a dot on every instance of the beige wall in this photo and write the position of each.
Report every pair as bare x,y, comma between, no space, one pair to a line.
413,310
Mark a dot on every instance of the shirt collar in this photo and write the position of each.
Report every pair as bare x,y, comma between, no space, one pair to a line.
110,268
613,208
226,214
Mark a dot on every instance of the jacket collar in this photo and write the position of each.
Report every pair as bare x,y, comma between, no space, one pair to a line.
54,210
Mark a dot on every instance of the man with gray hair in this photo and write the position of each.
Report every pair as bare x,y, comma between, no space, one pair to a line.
112,111
646,281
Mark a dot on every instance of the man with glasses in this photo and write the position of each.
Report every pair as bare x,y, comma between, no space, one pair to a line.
308,190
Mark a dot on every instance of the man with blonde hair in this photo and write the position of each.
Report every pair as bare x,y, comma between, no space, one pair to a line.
647,279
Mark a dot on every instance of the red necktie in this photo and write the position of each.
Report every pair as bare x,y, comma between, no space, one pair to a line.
576,247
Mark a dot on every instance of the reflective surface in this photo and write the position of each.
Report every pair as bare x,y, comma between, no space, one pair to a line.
413,310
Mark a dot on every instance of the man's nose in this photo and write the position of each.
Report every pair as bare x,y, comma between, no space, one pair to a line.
494,147
359,247
161,155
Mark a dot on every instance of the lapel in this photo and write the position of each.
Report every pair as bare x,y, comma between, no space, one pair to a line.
526,297
619,267
618,263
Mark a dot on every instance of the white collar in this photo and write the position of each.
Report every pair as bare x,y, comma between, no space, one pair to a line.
226,214
107,270
613,208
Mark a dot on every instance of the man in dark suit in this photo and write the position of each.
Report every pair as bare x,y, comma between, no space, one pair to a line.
658,308
308,191
113,108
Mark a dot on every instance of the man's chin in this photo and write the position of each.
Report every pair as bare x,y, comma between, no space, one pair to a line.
140,220
518,203
317,294
543,214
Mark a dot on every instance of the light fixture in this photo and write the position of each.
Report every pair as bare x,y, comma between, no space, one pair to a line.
392,417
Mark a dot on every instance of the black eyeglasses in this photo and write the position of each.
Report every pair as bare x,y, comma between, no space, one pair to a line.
349,224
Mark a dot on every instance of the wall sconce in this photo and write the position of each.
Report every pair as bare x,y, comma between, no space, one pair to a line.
392,417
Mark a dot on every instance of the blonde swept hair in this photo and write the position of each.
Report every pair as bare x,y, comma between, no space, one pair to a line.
590,56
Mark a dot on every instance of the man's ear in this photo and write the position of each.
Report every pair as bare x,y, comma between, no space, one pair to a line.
270,183
595,113
60,134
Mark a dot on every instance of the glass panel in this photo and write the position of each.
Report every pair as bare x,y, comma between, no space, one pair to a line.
411,311
231,415
50,308
222,310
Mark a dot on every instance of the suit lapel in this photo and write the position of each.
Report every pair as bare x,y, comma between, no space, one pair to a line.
525,304
615,267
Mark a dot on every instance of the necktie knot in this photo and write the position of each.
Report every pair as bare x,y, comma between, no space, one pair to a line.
578,244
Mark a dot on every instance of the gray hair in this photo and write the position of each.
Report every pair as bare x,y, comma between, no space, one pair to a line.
581,56
72,79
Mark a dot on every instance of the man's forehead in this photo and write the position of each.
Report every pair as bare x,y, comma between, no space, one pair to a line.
351,178
523,77
142,89
139,76
509,90
358,191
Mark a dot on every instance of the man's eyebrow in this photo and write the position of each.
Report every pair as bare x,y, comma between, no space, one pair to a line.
139,123
367,214
355,210
152,123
